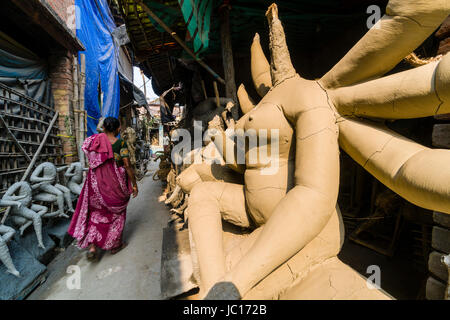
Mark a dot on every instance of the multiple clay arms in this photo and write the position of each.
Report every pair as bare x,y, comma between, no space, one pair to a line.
293,206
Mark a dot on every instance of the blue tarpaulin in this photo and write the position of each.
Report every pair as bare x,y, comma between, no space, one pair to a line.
23,71
94,28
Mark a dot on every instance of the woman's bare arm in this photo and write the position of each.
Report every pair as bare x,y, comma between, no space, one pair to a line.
130,172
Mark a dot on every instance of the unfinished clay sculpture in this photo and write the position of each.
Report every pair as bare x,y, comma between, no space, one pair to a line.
46,176
27,213
296,226
6,234
75,176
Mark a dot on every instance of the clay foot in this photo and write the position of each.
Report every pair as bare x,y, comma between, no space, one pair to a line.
41,245
63,215
223,291
24,227
119,248
14,273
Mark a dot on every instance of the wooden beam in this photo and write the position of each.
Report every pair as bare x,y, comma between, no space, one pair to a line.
181,42
227,54
43,15
14,138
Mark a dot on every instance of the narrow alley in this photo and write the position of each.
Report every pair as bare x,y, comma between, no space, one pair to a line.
133,273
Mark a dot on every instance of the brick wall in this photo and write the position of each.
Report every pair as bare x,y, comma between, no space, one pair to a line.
62,88
61,7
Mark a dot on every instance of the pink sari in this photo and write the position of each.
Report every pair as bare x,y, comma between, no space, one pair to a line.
101,208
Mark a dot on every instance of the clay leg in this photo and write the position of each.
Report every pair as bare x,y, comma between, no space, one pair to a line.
59,197
67,196
208,204
75,188
5,257
37,223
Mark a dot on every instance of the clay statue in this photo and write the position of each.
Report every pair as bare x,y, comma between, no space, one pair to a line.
294,223
6,234
75,175
50,188
27,213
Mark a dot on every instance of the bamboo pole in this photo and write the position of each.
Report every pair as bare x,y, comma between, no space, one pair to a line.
216,93
83,117
204,89
76,104
36,155
14,138
180,42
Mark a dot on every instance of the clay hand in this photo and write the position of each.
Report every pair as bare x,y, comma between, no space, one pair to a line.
216,123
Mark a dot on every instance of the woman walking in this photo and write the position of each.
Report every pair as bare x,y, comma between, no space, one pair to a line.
100,214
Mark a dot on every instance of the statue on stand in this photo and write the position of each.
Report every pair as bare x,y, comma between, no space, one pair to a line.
46,176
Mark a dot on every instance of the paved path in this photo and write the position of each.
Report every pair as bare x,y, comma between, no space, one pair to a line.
134,273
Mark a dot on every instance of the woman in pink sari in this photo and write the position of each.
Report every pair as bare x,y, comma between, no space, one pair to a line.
100,214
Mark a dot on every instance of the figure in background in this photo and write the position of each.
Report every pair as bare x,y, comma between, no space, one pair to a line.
100,214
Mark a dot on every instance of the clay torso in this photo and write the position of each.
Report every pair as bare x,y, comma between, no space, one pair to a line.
78,171
24,189
47,170
263,190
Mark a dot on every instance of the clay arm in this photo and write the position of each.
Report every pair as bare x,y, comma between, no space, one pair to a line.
6,203
14,198
411,170
62,168
35,176
228,149
304,212
416,93
37,185
71,172
405,26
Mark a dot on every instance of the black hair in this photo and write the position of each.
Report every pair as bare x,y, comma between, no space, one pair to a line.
111,124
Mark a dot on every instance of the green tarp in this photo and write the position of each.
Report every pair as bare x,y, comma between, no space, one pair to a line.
197,15
166,13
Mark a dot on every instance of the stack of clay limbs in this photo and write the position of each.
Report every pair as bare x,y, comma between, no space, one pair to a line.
294,209
24,212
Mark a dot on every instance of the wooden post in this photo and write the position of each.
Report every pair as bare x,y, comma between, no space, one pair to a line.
204,90
216,93
227,57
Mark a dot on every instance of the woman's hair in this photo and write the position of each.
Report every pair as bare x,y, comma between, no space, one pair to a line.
111,124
